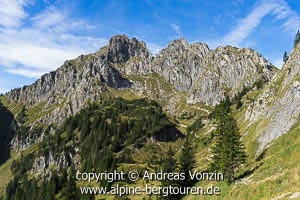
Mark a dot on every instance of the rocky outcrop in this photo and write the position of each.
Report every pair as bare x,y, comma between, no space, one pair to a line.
203,74
208,74
278,106
129,56
229,70
78,77
181,63
121,49
42,164
71,86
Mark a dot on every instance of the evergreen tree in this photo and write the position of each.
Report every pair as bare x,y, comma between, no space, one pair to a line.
227,101
87,196
228,153
285,57
70,192
297,39
186,161
238,103
21,117
168,165
197,125
51,188
221,109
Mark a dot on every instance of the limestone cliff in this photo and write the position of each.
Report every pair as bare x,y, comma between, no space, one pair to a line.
278,105
204,75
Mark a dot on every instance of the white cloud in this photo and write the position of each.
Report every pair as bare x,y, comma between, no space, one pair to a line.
43,55
176,28
26,72
278,9
249,23
49,18
59,21
44,50
12,12
38,56
45,44
284,12
245,26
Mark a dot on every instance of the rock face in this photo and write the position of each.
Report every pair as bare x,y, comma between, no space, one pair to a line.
121,49
181,63
207,74
278,104
229,69
203,74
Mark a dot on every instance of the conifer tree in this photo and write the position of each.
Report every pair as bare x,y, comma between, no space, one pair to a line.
70,192
227,101
186,161
168,165
221,109
228,153
297,39
285,57
238,103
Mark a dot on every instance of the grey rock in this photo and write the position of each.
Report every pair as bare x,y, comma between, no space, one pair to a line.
278,104
203,75
207,74
121,49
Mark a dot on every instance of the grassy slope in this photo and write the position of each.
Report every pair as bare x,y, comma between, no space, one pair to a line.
5,172
5,175
277,174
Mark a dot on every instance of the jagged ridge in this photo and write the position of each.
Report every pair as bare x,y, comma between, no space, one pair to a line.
204,74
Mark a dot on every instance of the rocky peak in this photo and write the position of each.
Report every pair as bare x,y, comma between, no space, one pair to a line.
181,46
202,73
118,49
181,63
207,74
277,107
201,48
121,49
180,43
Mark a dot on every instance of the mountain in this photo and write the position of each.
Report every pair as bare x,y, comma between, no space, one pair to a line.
203,75
123,108
207,74
270,126
278,105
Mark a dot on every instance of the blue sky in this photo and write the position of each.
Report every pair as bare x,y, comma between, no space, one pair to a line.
37,36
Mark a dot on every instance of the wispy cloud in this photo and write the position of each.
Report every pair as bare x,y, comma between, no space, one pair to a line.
49,18
45,53
248,24
284,12
278,8
176,28
12,12
45,44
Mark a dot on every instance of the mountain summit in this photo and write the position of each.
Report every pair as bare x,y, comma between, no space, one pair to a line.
204,75
123,103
